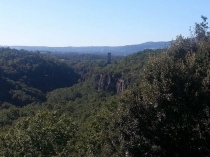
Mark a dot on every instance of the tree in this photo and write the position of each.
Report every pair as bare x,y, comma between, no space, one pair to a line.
167,114
201,29
44,134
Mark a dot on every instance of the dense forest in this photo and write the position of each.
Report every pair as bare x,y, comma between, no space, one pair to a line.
151,103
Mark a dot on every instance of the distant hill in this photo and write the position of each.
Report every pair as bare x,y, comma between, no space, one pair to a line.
115,50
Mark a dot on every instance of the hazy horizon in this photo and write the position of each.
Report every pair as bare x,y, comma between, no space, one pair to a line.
81,46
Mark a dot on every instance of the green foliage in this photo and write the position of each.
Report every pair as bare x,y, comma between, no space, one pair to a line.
129,67
201,29
79,101
83,57
92,111
44,134
167,114
10,116
93,134
25,76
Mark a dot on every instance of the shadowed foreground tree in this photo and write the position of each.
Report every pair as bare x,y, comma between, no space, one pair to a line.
168,114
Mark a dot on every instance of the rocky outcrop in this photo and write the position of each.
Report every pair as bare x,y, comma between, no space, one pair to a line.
105,82
120,85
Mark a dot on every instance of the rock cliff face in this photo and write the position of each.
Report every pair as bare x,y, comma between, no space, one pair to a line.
120,86
105,82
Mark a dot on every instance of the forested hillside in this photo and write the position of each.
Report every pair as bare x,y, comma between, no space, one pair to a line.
25,77
151,103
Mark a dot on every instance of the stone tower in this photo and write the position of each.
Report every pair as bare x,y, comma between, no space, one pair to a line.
109,58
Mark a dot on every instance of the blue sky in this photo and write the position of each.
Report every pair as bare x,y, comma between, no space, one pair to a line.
96,22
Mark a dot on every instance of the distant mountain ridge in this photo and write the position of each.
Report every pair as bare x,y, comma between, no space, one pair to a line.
115,50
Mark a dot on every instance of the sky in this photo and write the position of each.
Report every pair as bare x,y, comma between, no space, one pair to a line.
62,23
